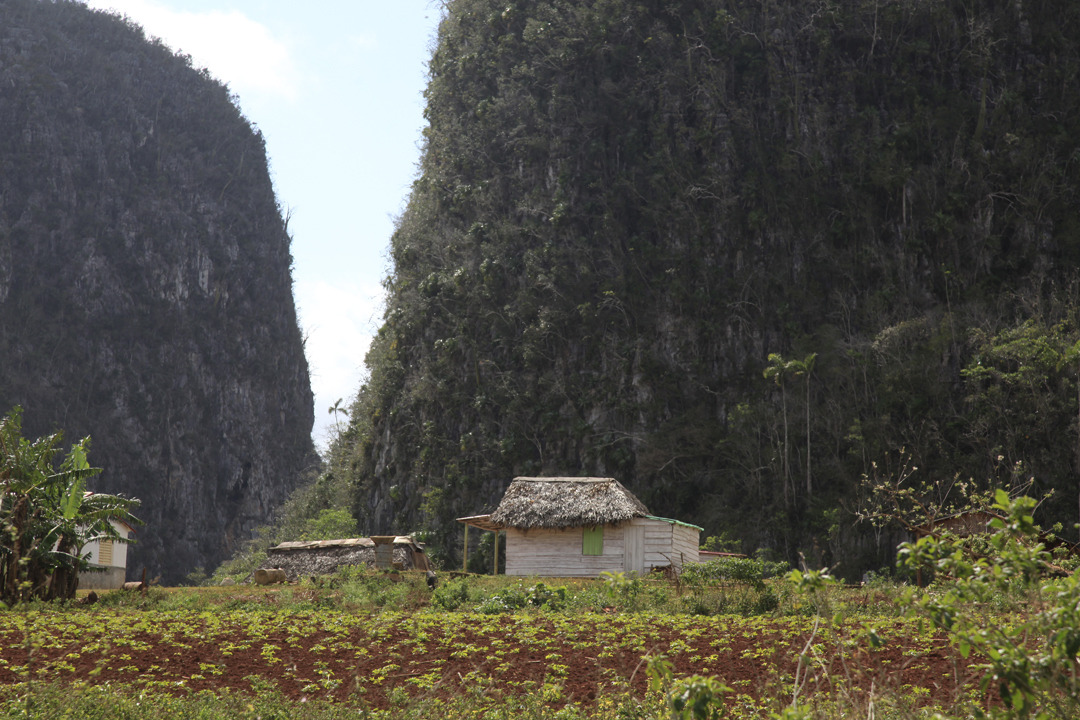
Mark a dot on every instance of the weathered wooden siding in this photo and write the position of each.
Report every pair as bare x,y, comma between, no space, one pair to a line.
657,542
684,544
668,543
557,553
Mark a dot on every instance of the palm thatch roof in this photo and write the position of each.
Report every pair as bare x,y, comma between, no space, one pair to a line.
561,502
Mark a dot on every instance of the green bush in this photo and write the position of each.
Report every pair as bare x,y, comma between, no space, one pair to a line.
362,588
731,585
451,595
749,571
549,598
1031,661
518,598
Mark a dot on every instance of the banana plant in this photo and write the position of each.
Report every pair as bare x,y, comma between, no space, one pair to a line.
47,517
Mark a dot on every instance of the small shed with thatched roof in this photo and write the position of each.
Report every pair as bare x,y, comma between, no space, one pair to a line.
583,526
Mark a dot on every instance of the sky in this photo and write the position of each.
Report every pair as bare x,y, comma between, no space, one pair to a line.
336,87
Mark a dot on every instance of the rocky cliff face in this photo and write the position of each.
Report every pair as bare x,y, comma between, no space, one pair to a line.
145,290
737,254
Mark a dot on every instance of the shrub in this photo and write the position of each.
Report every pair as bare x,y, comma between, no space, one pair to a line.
451,595
749,571
1031,661
517,598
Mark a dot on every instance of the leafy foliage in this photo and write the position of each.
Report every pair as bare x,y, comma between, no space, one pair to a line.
692,698
537,596
46,515
751,571
1030,661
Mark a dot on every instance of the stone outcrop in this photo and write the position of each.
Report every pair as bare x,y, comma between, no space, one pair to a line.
145,288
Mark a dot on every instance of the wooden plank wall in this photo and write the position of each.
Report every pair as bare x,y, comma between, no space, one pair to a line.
684,544
657,542
557,553
668,543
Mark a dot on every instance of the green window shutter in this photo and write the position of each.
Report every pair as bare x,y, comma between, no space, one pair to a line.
592,540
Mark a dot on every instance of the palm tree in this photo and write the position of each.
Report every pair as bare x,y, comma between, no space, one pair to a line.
803,368
778,370
337,410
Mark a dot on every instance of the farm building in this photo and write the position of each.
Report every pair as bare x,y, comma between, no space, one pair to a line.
323,557
581,527
108,560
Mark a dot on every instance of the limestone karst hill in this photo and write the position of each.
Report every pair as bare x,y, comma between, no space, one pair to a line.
145,289
737,254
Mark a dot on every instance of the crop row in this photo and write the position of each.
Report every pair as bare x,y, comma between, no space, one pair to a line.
373,657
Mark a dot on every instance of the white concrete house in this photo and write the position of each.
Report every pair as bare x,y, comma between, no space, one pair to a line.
109,558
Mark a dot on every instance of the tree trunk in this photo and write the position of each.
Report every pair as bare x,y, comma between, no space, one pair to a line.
786,460
809,491
11,575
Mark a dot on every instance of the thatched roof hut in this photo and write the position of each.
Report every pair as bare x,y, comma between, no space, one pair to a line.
563,502
581,527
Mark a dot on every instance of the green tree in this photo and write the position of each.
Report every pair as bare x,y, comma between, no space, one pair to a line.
803,368
337,411
779,370
1031,661
1022,385
46,515
1070,359
330,524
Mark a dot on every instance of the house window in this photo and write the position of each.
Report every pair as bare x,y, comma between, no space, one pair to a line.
592,540
105,552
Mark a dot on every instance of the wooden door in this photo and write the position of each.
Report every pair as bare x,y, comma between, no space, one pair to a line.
634,548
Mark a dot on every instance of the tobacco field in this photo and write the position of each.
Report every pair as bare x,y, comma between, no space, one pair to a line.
588,662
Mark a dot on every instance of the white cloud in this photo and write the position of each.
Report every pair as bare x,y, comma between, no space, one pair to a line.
339,322
236,49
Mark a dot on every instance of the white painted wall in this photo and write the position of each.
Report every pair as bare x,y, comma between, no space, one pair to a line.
116,568
119,550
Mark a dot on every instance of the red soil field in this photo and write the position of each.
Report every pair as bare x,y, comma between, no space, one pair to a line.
363,659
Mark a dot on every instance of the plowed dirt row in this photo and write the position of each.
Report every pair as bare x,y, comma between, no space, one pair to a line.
336,656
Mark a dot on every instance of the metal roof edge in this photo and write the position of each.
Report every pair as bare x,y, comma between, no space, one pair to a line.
675,522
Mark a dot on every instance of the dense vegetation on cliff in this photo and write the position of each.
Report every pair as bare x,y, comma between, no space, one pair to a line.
738,255
145,291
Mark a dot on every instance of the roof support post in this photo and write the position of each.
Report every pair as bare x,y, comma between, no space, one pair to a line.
465,555
495,568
